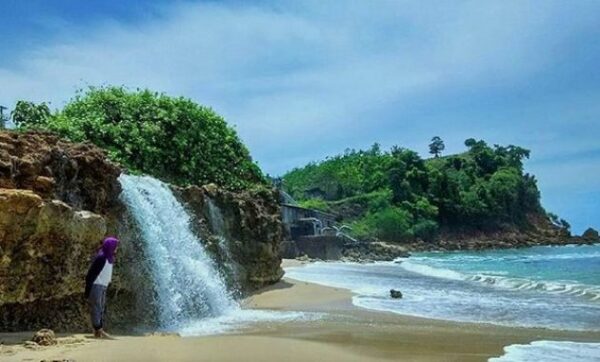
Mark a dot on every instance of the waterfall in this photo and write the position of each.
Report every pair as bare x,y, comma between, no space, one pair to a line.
216,219
187,283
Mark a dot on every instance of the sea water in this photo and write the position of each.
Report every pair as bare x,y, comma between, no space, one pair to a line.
546,287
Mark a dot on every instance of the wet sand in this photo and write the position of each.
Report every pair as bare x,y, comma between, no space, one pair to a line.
343,332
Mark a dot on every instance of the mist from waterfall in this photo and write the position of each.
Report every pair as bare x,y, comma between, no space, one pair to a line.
188,284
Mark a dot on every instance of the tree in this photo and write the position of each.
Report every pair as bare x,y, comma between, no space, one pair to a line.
30,115
436,146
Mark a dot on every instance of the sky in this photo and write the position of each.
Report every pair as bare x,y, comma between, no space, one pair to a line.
303,80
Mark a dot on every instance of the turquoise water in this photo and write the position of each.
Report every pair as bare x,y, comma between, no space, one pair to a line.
567,269
545,287
542,287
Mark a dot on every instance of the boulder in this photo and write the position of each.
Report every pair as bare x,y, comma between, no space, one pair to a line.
396,294
44,337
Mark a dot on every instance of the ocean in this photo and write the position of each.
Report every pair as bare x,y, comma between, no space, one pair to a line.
548,287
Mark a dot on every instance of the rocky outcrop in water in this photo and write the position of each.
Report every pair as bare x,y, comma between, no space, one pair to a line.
539,231
242,230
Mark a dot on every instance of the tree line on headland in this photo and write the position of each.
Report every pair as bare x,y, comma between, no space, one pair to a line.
396,195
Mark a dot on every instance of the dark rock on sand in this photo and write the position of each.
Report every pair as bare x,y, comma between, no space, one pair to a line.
44,337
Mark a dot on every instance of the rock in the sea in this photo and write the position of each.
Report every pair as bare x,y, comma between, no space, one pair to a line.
591,234
44,337
366,251
396,294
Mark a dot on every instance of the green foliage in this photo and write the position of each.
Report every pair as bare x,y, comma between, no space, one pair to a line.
171,138
316,204
338,178
30,115
483,188
391,223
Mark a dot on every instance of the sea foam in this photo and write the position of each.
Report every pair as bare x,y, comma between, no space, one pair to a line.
550,351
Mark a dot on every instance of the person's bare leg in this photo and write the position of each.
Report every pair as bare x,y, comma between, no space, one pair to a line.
103,334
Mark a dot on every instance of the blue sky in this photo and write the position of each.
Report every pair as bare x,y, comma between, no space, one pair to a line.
301,80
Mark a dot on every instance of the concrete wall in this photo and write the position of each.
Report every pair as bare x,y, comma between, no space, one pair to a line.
321,247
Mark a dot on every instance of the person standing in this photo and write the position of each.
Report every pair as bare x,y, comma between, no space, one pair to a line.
97,280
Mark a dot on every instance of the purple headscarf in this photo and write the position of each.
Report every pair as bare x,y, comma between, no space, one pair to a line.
109,245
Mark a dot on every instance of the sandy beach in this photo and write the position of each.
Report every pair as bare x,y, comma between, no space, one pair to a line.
343,332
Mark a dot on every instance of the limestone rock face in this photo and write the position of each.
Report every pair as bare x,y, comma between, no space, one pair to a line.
242,230
54,198
45,251
76,173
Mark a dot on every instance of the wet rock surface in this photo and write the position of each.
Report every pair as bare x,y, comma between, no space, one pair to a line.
241,229
395,294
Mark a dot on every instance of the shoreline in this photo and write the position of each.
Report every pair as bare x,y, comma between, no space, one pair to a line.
484,245
343,332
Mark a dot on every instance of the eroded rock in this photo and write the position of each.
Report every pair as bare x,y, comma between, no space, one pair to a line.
76,173
250,227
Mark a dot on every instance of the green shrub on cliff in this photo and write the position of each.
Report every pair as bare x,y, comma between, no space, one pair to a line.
171,138
483,188
28,114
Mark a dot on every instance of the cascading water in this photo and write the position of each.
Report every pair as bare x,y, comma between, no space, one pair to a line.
216,219
217,224
187,283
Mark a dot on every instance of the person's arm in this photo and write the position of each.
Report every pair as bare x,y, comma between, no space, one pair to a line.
93,273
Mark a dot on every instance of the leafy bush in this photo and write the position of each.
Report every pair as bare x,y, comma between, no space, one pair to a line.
174,139
391,224
316,204
29,114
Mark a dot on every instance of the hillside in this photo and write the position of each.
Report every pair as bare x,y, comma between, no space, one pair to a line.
398,196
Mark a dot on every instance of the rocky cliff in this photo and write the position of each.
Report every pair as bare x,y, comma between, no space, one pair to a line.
539,231
59,199
242,231
54,197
